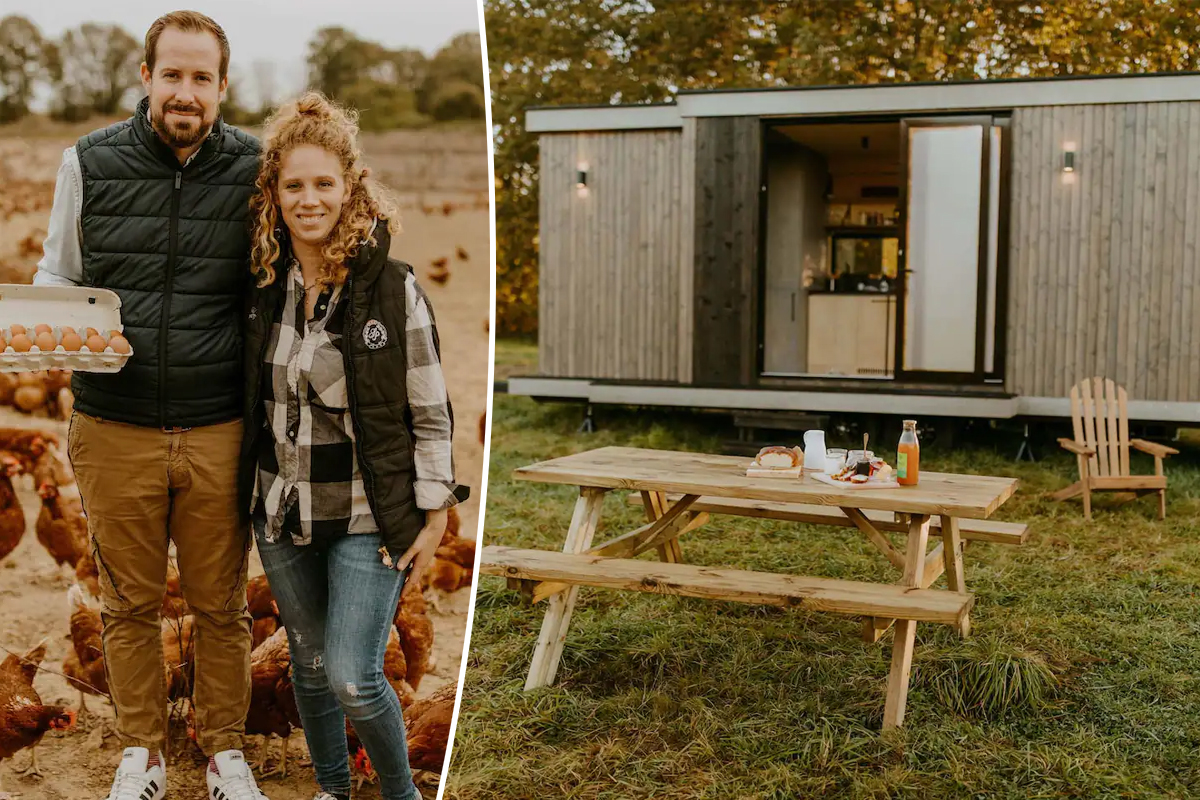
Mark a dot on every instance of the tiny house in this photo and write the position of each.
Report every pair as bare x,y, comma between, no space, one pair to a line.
951,249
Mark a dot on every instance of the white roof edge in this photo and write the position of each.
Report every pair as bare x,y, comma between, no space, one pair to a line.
603,118
881,99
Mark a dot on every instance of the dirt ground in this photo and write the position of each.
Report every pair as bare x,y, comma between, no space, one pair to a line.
441,181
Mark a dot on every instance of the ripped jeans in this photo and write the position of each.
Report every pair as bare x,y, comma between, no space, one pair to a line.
337,601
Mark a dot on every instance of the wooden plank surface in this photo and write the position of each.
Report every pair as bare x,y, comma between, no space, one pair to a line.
970,496
608,287
1103,262
688,580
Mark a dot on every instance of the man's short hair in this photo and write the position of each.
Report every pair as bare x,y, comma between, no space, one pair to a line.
188,22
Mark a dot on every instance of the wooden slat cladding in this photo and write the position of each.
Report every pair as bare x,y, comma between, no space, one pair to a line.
1104,267
610,260
728,159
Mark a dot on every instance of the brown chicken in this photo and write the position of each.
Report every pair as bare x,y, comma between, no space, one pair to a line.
179,663
12,517
174,607
61,526
263,610
453,564
24,720
87,575
427,728
395,669
416,633
272,697
84,664
28,445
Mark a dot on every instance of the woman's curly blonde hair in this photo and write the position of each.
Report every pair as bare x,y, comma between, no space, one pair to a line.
314,119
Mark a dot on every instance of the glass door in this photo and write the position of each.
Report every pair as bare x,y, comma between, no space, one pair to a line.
946,314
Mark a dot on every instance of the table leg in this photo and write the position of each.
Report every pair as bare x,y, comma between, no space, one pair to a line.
906,629
548,652
952,555
656,506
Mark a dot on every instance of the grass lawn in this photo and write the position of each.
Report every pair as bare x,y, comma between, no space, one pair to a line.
1078,681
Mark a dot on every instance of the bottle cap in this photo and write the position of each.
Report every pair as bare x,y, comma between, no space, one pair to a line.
910,422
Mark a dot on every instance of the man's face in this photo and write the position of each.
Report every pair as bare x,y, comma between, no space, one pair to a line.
185,87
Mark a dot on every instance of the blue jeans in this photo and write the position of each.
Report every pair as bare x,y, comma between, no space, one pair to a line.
337,601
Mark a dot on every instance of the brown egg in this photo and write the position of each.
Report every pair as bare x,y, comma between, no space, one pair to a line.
90,332
3,342
43,328
71,340
20,342
17,329
67,329
119,343
45,341
95,343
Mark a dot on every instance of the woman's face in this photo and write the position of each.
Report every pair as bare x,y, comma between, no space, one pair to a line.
312,191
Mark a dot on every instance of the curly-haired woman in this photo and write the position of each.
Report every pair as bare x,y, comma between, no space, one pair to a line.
346,462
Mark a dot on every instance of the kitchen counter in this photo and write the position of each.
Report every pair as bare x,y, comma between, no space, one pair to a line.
851,333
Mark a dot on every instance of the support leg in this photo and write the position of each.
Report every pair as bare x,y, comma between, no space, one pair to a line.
952,550
1085,484
548,652
656,506
906,629
1162,493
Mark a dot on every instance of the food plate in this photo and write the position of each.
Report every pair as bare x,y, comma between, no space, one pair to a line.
823,478
79,307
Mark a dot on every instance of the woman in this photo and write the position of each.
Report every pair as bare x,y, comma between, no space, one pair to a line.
346,462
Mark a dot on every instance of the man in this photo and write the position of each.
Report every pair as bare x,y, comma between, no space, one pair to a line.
155,209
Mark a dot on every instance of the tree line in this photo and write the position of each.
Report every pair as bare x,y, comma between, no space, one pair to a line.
561,52
92,68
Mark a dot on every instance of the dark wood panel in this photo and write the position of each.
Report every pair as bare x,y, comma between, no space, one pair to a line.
728,171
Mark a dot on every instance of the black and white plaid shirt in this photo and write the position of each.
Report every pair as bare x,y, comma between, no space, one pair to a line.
308,474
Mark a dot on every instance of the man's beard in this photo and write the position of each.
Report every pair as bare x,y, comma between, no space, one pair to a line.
179,138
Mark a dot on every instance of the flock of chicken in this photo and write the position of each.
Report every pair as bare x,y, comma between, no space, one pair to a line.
62,529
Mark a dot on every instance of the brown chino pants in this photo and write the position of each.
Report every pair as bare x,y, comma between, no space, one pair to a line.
143,488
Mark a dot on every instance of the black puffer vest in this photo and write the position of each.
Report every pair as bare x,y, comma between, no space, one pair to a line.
173,242
375,386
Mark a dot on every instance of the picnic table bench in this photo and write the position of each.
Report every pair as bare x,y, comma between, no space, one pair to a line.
680,490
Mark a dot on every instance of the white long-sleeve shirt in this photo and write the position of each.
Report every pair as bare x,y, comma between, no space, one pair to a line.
62,259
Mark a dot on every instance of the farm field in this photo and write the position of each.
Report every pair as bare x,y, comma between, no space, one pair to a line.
1078,680
441,179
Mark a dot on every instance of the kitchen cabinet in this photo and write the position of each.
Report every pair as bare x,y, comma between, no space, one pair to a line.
851,334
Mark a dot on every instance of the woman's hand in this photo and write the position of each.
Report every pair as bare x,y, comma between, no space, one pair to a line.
422,550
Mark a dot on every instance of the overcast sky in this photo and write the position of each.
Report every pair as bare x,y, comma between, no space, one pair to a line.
272,30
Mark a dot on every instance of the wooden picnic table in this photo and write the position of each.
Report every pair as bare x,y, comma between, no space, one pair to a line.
678,491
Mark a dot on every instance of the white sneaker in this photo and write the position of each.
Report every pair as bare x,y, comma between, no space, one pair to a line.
135,781
232,779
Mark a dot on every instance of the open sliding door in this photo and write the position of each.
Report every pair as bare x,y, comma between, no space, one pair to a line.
947,316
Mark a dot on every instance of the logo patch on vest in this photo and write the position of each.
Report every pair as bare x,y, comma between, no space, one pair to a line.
374,334
253,313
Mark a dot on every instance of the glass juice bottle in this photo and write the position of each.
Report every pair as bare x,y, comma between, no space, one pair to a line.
908,459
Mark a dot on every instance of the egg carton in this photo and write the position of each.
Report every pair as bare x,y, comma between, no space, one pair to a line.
79,307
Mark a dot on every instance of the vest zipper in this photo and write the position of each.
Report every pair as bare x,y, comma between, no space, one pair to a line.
164,324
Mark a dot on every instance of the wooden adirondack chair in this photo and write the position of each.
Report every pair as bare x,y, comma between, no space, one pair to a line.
1101,420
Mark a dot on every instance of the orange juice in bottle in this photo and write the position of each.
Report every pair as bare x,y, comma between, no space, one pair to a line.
908,459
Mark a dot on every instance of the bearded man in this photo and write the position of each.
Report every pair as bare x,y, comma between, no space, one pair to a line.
155,209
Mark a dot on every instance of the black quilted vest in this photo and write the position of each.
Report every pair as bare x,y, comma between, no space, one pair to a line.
174,243
375,385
